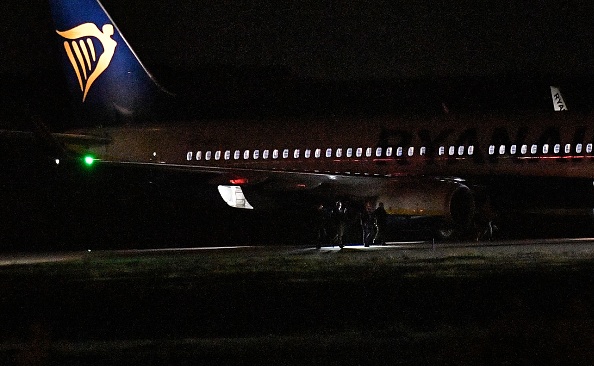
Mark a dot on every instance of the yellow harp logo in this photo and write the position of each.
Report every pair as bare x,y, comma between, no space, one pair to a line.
80,49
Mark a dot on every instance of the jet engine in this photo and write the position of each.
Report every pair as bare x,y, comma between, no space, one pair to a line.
447,199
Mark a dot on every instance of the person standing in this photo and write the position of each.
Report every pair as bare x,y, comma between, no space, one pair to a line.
339,220
381,217
368,224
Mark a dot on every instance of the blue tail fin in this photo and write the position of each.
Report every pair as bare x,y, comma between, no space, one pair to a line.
104,74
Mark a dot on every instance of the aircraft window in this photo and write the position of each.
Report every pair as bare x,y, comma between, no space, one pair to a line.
452,150
198,155
236,154
296,153
533,149
470,149
423,150
189,156
411,151
589,148
349,152
378,152
275,154
524,149
246,154
256,154
556,148
307,153
359,152
218,155
227,154
512,149
285,153
207,156
545,148
441,150
567,148
339,152
399,151
460,150
368,151
388,151
265,154
318,153
328,153
491,149
578,148
501,149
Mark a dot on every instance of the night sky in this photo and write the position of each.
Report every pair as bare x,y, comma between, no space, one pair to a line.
342,40
355,42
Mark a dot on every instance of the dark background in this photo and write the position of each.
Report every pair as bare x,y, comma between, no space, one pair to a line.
268,58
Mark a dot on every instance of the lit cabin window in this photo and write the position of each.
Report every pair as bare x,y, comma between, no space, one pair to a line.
218,155
557,148
285,153
513,149
339,152
359,152
491,149
318,153
265,154
470,149
501,149
389,151
207,155
567,148
246,154
275,154
423,150
349,152
378,152
227,154
368,152
236,154
452,150
399,151
328,153
189,156
256,154
545,148
589,148
524,149
441,150
307,153
411,151
578,148
533,149
296,153
460,150
198,155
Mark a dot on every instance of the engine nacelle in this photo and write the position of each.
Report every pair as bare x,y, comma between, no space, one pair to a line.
438,198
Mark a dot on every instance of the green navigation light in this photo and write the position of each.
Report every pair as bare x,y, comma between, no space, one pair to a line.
89,160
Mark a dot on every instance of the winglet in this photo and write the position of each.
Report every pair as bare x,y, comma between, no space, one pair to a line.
558,102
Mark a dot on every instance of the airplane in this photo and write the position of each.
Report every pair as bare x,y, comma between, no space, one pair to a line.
442,170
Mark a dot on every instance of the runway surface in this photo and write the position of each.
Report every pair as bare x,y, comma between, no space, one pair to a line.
409,249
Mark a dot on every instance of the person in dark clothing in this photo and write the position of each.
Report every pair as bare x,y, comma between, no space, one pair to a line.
323,216
339,219
381,217
368,224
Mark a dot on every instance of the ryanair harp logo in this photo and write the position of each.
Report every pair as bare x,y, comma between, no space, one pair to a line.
80,48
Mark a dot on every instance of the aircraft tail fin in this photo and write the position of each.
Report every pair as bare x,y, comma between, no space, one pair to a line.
104,74
558,102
